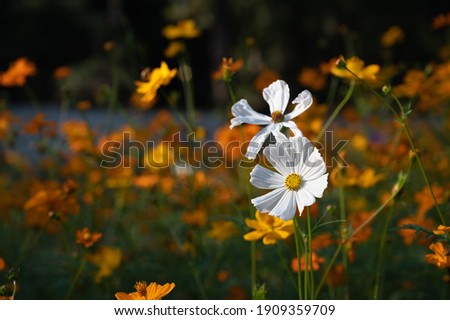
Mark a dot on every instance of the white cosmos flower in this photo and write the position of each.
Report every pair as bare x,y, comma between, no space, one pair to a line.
301,177
277,96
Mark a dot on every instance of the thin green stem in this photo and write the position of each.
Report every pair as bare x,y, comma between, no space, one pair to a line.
14,289
310,252
376,289
173,107
401,119
344,231
286,266
231,92
188,88
397,188
76,277
336,111
297,249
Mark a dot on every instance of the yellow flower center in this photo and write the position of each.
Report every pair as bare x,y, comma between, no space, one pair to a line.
293,182
277,117
141,288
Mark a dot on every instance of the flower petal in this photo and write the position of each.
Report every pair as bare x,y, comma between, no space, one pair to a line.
267,202
316,186
254,235
280,157
245,114
303,101
285,208
264,178
257,142
277,96
306,197
293,126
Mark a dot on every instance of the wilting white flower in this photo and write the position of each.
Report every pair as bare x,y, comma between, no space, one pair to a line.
277,96
301,177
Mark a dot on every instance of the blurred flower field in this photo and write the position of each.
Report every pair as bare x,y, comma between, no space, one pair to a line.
151,199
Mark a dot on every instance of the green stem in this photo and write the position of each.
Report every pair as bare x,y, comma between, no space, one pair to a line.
231,92
286,266
344,231
188,88
376,290
297,249
173,107
336,111
310,252
401,119
14,289
398,187
76,277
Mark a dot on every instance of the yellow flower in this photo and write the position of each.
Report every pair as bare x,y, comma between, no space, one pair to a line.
222,230
312,78
153,291
183,29
269,228
441,230
155,79
174,48
106,259
392,36
358,67
353,177
440,257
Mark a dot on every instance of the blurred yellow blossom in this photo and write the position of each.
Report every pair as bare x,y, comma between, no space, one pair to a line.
353,177
222,230
440,257
154,80
153,291
17,73
392,36
269,228
197,217
357,66
174,48
2,264
106,259
264,79
83,105
183,29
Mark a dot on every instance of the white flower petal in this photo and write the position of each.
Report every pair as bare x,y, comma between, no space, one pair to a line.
264,178
303,101
267,202
279,156
317,186
245,114
257,142
293,126
285,208
277,96
305,197
300,203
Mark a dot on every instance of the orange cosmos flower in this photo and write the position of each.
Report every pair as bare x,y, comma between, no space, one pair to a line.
425,199
233,143
441,21
154,80
50,204
183,29
269,228
62,72
227,69
264,79
86,237
78,135
37,124
17,73
153,291
316,261
312,78
2,264
441,230
440,257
